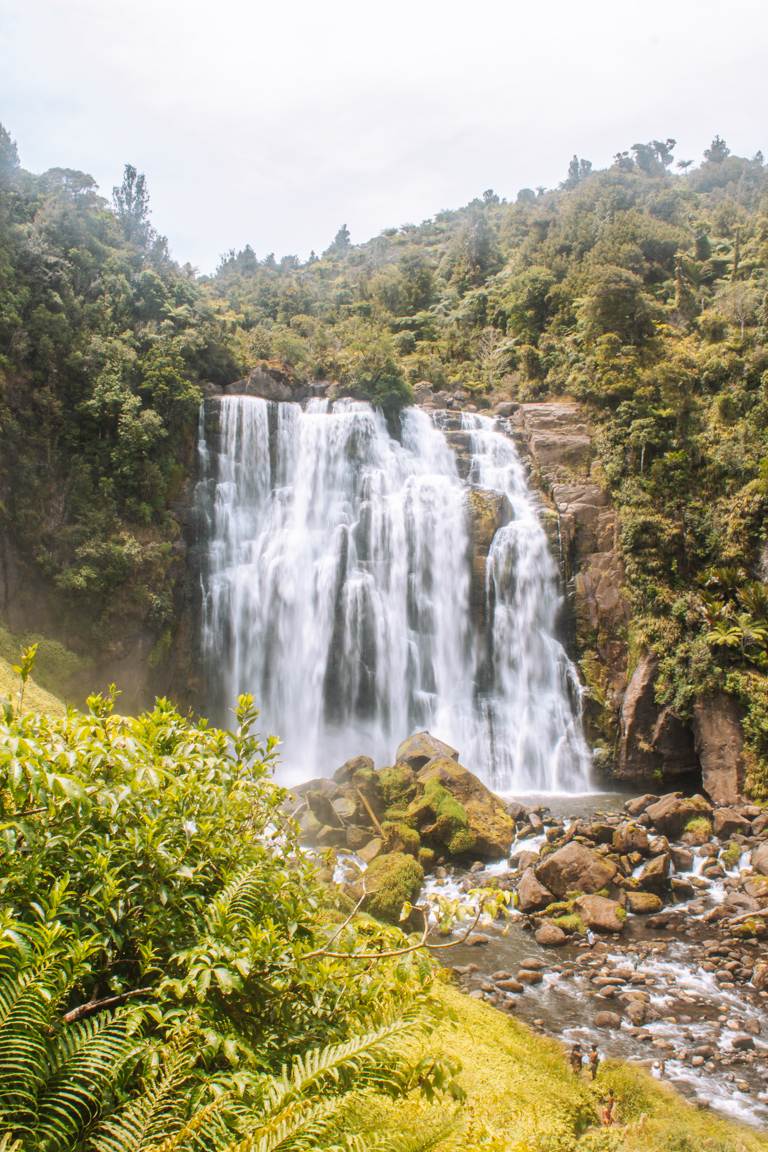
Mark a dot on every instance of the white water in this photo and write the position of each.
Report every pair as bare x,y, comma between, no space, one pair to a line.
336,585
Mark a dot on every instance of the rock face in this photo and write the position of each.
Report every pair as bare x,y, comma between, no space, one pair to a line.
488,511
575,868
652,740
720,747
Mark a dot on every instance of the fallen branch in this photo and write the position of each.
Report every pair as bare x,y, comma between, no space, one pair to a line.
97,1005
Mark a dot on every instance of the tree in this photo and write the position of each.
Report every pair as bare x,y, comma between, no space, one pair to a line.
578,170
717,151
131,201
9,154
738,302
341,243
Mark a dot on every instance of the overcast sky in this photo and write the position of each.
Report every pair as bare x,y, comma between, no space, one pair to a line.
274,123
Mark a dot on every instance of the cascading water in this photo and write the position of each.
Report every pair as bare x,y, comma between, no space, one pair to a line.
336,589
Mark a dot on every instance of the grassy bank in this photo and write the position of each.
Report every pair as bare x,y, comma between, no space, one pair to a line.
523,1097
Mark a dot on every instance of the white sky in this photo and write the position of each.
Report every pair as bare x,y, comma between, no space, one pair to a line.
274,123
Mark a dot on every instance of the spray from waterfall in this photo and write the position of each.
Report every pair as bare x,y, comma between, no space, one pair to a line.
336,589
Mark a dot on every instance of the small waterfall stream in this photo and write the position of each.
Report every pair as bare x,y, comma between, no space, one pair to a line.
336,589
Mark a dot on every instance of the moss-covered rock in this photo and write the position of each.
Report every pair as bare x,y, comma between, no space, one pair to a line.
397,786
390,881
400,837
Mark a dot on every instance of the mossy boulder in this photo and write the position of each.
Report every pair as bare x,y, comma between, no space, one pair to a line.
397,786
392,880
671,813
575,868
453,800
400,837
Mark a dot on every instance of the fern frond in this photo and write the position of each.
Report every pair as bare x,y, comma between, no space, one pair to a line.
158,1113
28,1000
421,1140
299,1127
372,1059
86,1061
239,900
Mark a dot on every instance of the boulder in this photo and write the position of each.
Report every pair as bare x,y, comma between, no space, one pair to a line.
759,859
390,881
548,935
643,903
720,747
654,876
351,768
575,868
420,748
487,829
756,887
682,858
639,804
531,893
370,850
727,823
601,914
672,812
607,1020
628,838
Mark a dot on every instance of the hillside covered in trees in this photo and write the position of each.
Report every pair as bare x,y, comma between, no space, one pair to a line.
639,290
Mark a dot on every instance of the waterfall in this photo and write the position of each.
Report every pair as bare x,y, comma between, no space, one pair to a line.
336,589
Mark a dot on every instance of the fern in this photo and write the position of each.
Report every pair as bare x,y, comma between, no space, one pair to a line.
85,1063
158,1112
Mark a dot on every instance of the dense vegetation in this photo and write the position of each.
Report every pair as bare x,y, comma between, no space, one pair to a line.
164,976
639,290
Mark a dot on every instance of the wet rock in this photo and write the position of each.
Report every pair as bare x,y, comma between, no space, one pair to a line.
532,895
682,858
528,976
760,976
637,1012
743,1042
727,823
548,935
517,811
357,838
510,985
756,887
601,914
643,903
607,1020
345,808
533,963
672,812
422,747
575,868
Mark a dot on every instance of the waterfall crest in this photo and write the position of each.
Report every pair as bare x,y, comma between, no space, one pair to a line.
336,589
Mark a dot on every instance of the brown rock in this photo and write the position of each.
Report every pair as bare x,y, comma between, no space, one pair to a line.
601,914
531,894
639,804
643,903
682,858
370,850
654,875
350,768
756,887
549,935
528,976
671,813
720,747
630,837
608,1020
575,868
652,739
759,859
727,823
